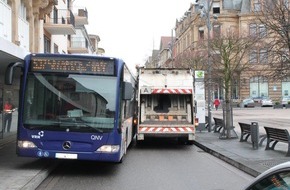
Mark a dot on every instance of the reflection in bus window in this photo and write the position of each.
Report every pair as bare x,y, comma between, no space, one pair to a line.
51,99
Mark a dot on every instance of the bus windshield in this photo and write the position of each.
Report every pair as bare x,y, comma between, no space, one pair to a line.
66,102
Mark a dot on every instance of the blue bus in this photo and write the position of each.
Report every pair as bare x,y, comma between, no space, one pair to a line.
74,107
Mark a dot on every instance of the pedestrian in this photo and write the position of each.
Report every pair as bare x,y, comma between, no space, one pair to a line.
216,103
8,109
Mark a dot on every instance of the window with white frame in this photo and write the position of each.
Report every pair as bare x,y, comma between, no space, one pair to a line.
286,87
259,86
47,44
253,58
201,33
258,30
253,30
216,7
262,31
55,48
286,3
217,30
22,10
263,56
258,57
257,6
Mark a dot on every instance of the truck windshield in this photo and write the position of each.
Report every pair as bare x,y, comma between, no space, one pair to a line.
81,103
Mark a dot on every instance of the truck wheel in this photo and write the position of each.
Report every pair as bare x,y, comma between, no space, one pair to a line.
182,140
139,142
190,142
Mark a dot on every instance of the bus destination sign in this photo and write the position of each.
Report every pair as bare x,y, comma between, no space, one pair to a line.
73,65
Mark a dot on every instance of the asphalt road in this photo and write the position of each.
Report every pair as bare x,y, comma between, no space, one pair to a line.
158,164
163,164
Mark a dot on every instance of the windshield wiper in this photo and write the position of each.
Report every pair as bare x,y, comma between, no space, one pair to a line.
86,126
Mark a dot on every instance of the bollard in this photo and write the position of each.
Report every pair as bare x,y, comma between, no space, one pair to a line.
255,135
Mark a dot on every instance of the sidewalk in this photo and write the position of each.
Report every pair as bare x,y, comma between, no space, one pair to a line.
20,173
241,154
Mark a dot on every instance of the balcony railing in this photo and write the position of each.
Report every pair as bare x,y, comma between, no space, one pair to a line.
61,23
5,21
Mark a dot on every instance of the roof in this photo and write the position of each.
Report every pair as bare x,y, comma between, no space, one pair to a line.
165,42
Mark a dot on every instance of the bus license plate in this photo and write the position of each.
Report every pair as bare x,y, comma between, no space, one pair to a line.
66,156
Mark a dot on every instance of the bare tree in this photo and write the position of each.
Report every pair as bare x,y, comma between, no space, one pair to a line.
275,16
229,57
191,59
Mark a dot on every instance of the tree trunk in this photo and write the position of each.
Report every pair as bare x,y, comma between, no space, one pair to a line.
228,111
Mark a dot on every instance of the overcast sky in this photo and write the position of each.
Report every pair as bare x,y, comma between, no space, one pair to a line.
130,29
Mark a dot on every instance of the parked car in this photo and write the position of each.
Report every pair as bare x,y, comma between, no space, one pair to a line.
258,99
277,177
266,102
247,102
285,100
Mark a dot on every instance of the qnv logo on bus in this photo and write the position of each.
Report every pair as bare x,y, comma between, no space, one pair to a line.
96,137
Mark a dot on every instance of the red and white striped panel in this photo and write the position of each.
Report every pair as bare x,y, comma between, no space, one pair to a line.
172,91
166,129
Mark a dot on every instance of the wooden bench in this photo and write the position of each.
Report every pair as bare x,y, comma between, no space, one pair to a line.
246,133
275,135
218,124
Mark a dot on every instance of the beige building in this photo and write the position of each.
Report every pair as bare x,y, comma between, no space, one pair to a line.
41,26
236,16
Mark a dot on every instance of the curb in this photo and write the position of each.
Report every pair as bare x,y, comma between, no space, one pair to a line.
8,139
228,160
40,177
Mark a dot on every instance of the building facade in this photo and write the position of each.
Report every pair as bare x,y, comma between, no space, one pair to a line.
41,26
193,30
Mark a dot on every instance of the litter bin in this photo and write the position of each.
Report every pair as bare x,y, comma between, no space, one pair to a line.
255,135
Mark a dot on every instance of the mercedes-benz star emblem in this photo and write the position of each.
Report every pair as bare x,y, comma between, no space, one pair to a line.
66,145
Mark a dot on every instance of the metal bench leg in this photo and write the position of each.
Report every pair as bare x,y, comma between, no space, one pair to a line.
263,137
273,145
244,137
288,152
268,144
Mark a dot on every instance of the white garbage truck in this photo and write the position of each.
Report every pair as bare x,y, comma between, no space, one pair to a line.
166,105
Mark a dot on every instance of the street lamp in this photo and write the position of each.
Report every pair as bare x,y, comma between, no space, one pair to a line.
206,13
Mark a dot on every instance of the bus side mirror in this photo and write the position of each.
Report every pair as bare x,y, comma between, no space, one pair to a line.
127,91
10,71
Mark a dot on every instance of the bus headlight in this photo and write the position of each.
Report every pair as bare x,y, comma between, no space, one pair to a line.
109,148
26,144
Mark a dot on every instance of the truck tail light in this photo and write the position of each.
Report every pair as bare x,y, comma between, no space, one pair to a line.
196,122
135,121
